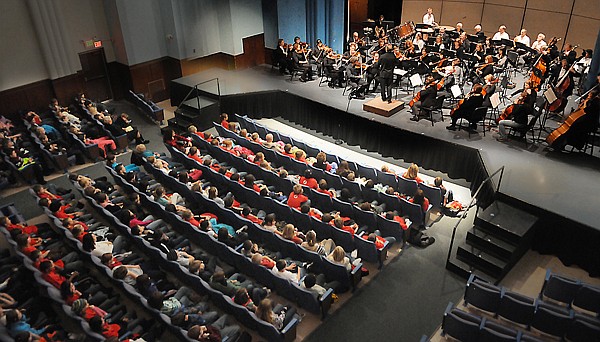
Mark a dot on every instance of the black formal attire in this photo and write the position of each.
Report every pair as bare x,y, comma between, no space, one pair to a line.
387,63
281,58
355,81
571,56
373,75
467,108
555,78
481,36
336,75
491,89
427,99
305,67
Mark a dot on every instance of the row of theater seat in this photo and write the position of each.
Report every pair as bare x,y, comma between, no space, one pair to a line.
206,242
131,291
403,185
366,249
323,202
406,186
48,290
540,315
292,291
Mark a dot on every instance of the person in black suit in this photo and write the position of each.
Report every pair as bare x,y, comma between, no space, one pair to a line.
472,101
300,62
569,54
427,97
281,57
387,63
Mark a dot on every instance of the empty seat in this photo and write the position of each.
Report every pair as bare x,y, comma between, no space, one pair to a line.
461,325
407,186
367,172
494,332
587,298
433,194
559,289
583,329
516,308
552,320
482,295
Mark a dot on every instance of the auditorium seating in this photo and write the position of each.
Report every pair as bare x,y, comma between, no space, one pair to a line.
149,108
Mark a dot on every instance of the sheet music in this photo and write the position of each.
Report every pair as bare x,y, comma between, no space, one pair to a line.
400,72
415,80
550,95
495,100
456,92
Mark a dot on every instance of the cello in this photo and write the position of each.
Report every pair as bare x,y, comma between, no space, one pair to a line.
418,96
563,130
561,86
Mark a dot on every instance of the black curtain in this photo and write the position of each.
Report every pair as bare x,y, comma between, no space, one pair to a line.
391,9
458,161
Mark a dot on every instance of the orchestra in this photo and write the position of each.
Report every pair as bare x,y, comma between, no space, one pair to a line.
443,56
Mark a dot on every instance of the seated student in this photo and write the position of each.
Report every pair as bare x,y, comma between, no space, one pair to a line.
308,180
413,173
297,197
123,126
387,169
180,302
378,240
447,195
324,189
289,150
321,163
312,212
128,273
348,226
249,182
88,311
16,322
224,118
243,298
98,248
278,196
270,144
420,199
7,223
247,214
279,315
54,275
175,140
290,232
270,224
324,247
220,329
338,256
317,285
262,260
390,215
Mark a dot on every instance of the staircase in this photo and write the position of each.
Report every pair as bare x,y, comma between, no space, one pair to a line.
199,108
500,235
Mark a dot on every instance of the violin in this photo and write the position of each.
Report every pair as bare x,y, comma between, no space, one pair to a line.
508,111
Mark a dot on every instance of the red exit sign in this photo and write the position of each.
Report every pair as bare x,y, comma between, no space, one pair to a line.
98,44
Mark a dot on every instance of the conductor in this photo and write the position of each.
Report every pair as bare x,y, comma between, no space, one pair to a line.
387,63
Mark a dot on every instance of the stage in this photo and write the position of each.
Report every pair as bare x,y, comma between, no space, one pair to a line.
561,187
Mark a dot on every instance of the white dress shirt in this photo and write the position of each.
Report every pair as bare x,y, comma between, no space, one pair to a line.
428,19
499,36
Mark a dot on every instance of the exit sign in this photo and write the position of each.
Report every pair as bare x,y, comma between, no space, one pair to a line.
89,43
98,44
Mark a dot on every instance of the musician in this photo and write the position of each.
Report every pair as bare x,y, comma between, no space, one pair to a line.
466,108
501,34
521,109
380,29
282,58
465,42
523,38
355,78
569,54
445,37
558,77
332,68
501,59
489,47
577,134
479,52
387,63
582,66
459,28
378,48
352,52
539,42
301,62
418,41
438,45
427,97
318,55
479,32
428,18
360,44
489,88
409,49
458,48
487,68
373,73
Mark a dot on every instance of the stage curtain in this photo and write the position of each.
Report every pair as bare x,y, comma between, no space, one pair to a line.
458,161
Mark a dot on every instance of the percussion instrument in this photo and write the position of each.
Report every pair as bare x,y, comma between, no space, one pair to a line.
448,28
406,29
425,30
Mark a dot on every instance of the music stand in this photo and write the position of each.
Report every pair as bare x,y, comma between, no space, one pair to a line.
449,53
475,38
415,81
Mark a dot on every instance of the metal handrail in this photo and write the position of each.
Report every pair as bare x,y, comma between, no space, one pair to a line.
473,199
196,89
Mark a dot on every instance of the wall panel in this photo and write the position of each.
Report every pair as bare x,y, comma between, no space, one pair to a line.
562,6
590,9
467,13
583,32
510,3
495,15
537,21
414,10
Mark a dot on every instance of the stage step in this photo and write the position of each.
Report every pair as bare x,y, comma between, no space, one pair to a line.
505,221
478,238
199,111
481,260
501,234
465,270
178,125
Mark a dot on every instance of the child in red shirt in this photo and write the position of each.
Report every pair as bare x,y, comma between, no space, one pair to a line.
296,198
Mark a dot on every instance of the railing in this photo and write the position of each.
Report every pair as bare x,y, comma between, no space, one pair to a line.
195,90
471,203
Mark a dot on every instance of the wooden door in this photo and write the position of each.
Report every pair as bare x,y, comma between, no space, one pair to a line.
95,75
